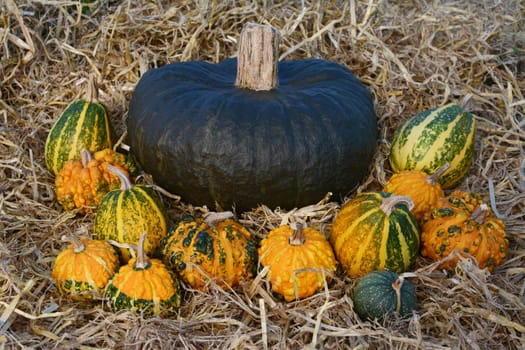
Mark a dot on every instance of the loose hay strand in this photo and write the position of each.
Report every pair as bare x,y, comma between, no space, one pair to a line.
410,55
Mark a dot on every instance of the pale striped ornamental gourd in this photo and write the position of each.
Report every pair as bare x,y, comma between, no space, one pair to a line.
432,138
84,268
129,210
300,260
375,231
84,124
144,286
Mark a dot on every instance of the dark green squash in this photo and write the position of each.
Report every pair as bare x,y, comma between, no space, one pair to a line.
383,293
210,139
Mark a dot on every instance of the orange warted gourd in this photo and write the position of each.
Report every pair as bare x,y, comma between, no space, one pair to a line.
144,286
217,248
298,259
375,231
423,189
84,268
83,183
464,222
123,213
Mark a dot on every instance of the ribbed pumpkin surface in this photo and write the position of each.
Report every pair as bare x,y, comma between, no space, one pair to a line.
366,239
296,269
198,251
123,215
432,138
82,274
83,124
149,291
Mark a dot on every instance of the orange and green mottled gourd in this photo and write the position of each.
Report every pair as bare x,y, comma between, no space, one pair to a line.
144,286
217,248
432,138
84,268
84,124
83,183
375,231
300,261
423,189
123,213
464,222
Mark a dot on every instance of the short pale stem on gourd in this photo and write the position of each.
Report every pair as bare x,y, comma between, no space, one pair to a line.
257,58
480,213
434,178
92,90
397,285
297,237
390,202
141,262
85,157
125,182
213,218
78,246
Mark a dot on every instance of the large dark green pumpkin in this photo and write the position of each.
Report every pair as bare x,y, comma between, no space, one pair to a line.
209,141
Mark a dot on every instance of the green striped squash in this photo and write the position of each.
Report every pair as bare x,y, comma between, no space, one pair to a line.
125,213
83,124
432,138
375,231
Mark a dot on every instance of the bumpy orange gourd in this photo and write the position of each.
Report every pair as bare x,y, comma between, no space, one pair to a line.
423,189
84,268
83,183
463,221
217,248
297,258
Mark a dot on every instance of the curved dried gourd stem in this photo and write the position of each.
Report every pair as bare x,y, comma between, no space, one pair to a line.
397,285
92,90
85,157
434,178
297,237
257,58
125,182
480,213
390,202
78,246
142,262
213,218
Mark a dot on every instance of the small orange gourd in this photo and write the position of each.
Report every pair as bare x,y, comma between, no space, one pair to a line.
84,268
423,189
464,222
83,183
299,259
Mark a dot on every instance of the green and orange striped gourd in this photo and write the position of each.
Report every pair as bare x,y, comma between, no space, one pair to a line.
84,124
126,212
375,231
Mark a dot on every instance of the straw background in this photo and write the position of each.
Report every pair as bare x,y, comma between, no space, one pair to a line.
411,55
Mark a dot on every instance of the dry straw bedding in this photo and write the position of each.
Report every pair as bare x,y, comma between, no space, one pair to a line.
412,55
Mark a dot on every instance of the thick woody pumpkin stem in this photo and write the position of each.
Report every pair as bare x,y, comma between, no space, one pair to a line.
257,58
397,285
125,182
434,178
213,218
78,246
480,213
297,237
390,202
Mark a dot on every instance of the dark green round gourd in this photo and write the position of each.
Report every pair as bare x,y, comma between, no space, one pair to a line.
205,132
382,293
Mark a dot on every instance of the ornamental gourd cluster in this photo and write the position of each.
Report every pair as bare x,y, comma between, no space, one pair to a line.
285,139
